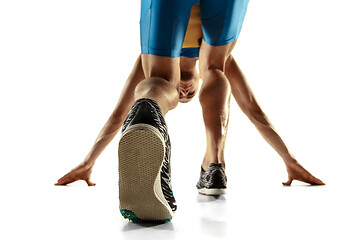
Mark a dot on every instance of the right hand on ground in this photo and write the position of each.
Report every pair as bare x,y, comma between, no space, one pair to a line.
82,172
298,172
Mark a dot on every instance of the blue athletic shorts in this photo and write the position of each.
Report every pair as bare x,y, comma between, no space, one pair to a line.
190,52
163,23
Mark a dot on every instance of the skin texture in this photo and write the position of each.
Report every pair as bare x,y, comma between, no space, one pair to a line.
189,83
214,98
158,78
162,81
160,85
110,129
248,104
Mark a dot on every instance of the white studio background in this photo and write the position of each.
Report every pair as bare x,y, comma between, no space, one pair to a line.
63,65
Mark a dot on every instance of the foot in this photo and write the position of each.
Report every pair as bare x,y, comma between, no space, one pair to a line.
298,172
144,165
212,181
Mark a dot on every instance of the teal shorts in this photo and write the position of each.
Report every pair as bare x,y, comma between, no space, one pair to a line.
190,52
163,23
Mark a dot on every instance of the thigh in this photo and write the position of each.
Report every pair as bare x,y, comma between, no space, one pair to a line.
167,68
222,20
214,57
163,25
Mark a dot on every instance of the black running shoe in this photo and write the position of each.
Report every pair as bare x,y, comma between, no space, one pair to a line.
212,181
144,165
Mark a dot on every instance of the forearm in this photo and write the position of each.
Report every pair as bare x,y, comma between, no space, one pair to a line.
248,104
106,135
115,121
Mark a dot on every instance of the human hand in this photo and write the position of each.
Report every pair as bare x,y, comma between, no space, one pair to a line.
81,172
298,172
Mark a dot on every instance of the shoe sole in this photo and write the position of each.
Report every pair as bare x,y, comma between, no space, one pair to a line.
141,154
212,191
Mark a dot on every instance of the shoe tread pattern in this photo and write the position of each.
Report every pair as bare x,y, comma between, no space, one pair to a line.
141,153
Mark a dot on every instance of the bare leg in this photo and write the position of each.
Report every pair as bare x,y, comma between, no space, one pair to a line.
214,99
157,88
162,79
110,129
248,104
144,147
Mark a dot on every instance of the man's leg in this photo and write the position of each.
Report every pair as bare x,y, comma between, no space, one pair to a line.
214,99
145,190
144,149
161,84
221,25
248,104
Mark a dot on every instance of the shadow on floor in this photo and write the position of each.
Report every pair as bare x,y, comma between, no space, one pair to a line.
131,226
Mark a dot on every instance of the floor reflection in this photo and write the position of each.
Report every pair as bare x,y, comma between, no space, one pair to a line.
213,227
213,215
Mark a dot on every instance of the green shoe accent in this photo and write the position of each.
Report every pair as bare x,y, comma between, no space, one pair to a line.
167,220
127,214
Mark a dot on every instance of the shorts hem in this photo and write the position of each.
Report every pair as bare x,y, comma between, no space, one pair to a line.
220,43
162,53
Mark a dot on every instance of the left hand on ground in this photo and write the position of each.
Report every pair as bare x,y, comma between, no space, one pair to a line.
82,172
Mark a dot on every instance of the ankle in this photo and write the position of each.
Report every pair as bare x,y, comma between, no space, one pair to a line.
205,164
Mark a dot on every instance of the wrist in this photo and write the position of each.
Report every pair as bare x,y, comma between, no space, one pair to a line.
88,163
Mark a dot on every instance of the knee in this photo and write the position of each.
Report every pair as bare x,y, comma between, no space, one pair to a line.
207,66
214,57
217,91
210,63
156,86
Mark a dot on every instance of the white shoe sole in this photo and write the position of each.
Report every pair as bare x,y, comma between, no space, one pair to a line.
141,154
212,191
